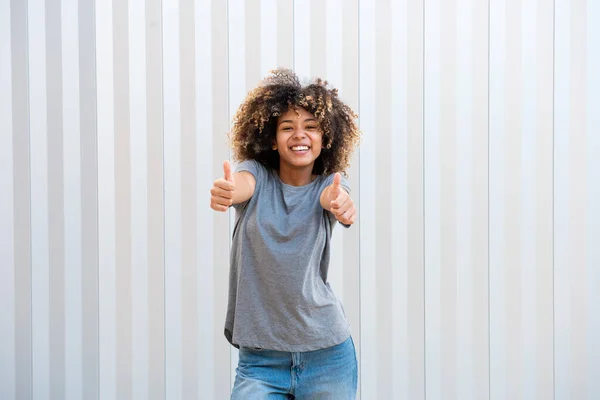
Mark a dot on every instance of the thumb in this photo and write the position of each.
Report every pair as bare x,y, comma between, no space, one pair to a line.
227,171
336,187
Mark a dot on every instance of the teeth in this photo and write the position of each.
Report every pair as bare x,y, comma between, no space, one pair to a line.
299,148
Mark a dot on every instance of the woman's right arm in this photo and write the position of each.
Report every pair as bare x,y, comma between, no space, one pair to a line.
233,188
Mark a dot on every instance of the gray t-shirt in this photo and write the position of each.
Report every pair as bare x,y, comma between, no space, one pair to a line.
279,298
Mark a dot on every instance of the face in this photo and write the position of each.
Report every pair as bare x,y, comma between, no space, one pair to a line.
298,139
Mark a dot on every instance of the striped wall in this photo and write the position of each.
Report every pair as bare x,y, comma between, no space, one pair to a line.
473,271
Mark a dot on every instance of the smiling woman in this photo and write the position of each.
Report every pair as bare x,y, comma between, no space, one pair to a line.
289,189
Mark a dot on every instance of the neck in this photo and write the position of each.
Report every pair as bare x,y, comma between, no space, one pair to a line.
296,176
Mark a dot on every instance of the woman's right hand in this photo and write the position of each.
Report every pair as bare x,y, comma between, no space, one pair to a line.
221,194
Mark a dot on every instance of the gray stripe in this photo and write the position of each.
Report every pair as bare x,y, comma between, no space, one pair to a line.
252,44
89,198
220,90
577,204
383,247
190,384
156,287
544,206
416,294
351,243
511,201
318,42
448,200
122,199
55,198
285,34
21,199
480,249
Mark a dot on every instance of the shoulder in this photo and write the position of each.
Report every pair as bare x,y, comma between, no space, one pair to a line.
258,170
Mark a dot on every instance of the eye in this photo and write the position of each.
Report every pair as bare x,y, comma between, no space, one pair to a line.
286,128
311,127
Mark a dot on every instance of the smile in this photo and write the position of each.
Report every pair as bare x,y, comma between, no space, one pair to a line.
300,148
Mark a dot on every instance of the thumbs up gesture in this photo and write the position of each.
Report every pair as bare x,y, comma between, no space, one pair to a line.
341,204
221,194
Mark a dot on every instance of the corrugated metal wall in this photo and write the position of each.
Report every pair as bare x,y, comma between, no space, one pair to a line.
472,273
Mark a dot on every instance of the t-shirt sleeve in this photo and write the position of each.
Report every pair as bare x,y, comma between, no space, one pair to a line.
346,185
257,170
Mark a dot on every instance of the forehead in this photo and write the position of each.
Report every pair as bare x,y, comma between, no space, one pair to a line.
294,114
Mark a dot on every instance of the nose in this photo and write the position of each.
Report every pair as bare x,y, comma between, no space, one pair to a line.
300,134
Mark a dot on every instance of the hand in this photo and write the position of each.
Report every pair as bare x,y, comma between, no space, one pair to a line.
221,194
341,205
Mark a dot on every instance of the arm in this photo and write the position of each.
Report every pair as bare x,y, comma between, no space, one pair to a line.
231,189
336,200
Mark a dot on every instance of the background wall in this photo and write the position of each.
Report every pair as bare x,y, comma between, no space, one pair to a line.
472,273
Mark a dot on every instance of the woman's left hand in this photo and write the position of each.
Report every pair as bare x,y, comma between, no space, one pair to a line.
341,204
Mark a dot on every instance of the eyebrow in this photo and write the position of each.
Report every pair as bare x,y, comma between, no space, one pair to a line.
291,122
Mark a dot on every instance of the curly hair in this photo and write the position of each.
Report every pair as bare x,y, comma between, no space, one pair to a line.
255,122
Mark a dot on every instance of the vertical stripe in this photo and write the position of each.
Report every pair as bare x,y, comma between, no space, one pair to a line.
447,203
382,178
172,187
562,277
89,200
302,44
497,279
204,217
7,250
252,48
465,199
367,169
38,133
400,356
21,198
241,50
138,159
350,295
329,30
220,117
285,33
432,203
122,179
480,210
529,176
238,59
577,192
512,243
593,196
349,64
269,37
415,185
56,221
318,39
544,301
72,201
189,227
155,215
107,257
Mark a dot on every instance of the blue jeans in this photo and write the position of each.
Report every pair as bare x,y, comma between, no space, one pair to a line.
330,373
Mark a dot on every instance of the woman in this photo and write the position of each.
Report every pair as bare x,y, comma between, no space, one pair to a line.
291,142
